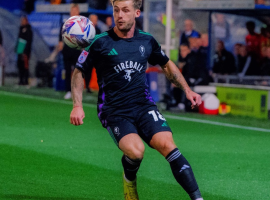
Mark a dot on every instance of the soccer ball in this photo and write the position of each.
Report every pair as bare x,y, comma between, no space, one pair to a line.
78,32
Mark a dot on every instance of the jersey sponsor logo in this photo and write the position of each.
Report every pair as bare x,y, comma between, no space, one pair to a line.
129,67
83,57
128,72
142,50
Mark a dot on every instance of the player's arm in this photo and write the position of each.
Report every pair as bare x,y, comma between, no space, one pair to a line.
77,86
175,76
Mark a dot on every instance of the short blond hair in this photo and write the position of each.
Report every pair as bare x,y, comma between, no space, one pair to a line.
136,3
74,5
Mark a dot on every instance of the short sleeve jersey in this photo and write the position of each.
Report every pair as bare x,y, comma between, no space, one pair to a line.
120,65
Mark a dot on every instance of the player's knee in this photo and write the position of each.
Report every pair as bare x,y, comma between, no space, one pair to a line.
136,152
165,147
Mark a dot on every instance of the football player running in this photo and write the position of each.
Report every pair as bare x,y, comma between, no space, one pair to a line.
125,107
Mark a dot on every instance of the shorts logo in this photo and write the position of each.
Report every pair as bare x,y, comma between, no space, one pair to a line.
142,50
83,57
116,131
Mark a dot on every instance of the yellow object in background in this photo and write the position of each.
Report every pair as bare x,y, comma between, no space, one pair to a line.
224,109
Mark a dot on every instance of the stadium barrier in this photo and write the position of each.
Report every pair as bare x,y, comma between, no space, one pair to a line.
245,100
244,80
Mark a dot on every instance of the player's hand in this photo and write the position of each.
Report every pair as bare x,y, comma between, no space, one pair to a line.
77,116
194,98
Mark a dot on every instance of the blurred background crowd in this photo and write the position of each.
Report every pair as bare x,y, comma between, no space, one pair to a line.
217,46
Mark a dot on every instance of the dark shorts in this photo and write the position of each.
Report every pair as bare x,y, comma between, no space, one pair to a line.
146,121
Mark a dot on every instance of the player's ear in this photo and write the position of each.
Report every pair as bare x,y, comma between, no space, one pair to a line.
137,13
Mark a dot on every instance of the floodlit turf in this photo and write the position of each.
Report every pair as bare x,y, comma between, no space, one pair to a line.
43,157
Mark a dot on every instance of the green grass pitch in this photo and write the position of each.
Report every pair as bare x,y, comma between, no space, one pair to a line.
44,157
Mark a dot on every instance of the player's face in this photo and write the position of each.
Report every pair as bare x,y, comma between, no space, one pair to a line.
124,15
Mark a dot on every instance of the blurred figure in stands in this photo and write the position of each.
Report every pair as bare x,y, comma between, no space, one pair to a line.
253,41
23,49
70,55
94,18
265,69
236,51
109,22
203,51
188,32
246,63
88,73
193,70
224,62
221,27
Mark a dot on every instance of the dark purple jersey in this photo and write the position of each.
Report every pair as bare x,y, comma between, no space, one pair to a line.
120,65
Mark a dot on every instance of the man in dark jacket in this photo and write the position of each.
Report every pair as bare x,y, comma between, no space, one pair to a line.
224,61
70,55
23,49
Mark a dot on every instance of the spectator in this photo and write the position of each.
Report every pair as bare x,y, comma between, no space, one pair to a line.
70,55
189,32
221,27
203,51
23,49
224,62
193,71
109,22
246,63
265,69
88,73
94,19
237,47
253,41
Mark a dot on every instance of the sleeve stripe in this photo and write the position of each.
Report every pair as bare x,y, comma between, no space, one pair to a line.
96,37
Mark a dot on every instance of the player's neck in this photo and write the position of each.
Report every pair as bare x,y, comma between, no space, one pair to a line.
122,34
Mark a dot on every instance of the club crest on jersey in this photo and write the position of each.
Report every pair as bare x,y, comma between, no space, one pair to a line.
142,50
116,131
83,57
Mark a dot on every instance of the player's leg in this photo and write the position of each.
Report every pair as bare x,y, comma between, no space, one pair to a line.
133,149
124,134
155,131
182,171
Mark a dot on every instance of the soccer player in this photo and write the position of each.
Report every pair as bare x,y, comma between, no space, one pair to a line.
125,107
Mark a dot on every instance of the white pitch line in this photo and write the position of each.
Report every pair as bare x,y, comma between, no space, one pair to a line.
43,98
217,123
167,116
